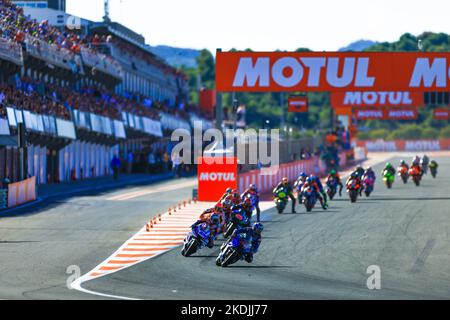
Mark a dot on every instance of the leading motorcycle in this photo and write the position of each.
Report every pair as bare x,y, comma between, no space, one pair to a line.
233,250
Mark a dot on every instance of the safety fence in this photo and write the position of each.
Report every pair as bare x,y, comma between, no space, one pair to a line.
11,51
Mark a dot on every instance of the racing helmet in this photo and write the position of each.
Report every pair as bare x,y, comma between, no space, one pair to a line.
219,207
229,190
354,175
258,228
309,180
285,180
252,187
303,175
333,172
388,165
214,218
402,163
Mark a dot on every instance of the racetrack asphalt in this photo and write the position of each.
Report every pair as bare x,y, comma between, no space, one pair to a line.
322,255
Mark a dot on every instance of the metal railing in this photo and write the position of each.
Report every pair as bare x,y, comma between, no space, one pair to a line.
11,51
102,62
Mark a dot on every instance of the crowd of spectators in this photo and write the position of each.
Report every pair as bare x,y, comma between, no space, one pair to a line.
33,99
16,26
51,99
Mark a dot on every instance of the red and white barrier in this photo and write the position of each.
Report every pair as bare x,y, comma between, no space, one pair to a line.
21,192
267,179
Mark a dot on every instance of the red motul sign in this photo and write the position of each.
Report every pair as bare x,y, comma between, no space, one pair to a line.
215,175
298,104
386,113
377,99
332,71
441,114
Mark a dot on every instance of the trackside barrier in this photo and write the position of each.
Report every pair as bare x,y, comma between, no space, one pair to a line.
21,192
266,181
360,153
405,145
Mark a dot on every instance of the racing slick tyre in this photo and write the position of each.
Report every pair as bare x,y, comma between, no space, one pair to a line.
191,248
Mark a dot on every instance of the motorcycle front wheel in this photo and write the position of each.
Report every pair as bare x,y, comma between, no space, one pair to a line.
231,256
191,248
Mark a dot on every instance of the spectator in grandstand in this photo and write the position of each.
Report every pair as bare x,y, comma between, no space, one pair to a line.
151,159
130,159
115,165
165,160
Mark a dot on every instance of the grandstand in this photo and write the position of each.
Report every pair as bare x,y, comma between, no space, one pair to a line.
83,95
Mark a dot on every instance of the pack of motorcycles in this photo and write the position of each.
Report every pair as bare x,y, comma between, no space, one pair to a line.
233,250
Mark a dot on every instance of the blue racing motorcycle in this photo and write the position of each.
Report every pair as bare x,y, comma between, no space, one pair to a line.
309,198
196,239
237,220
233,250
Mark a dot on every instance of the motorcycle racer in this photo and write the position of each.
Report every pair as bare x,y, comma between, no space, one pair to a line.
251,236
335,175
310,182
253,191
212,220
285,184
316,181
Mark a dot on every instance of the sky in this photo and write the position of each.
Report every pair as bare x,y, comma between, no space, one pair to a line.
268,25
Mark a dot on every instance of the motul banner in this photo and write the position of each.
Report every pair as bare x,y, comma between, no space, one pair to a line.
298,104
332,71
405,145
441,114
215,175
386,114
401,114
377,99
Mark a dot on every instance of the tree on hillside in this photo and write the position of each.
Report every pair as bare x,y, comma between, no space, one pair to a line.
206,68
